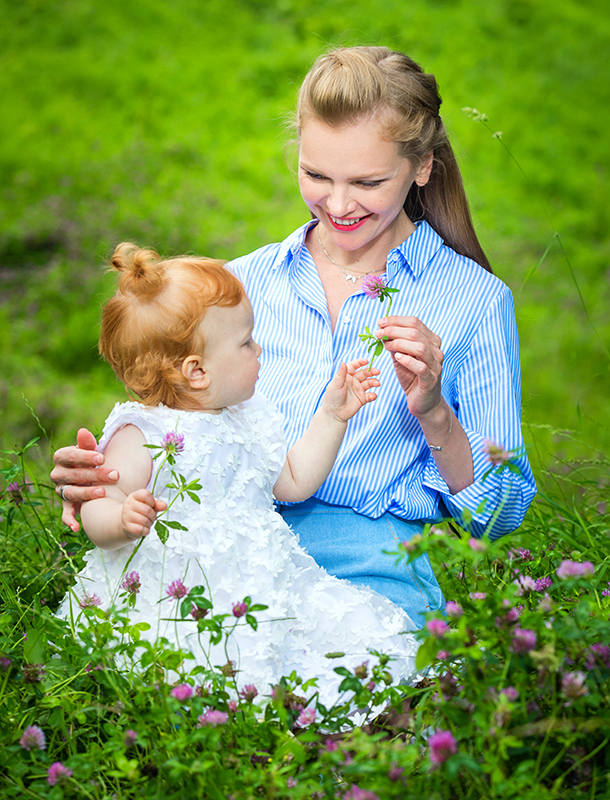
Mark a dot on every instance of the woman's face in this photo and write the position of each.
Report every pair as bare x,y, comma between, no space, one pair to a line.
355,181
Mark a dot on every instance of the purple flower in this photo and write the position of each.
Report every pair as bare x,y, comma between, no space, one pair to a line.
291,782
182,692
542,584
477,545
546,605
232,705
173,443
131,583
177,590
598,655
453,609
249,692
575,569
356,793
57,773
331,745
198,613
130,738
573,685
442,746
443,655
511,693
14,491
33,738
413,543
437,627
212,718
606,592
374,286
524,583
33,673
239,609
523,640
395,772
477,595
89,601
5,663
496,453
306,717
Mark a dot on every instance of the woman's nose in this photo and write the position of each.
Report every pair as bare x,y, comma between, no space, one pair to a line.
339,202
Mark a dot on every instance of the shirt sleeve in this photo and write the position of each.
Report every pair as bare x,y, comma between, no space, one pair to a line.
487,402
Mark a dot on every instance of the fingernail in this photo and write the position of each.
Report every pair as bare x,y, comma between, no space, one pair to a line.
98,459
98,492
113,475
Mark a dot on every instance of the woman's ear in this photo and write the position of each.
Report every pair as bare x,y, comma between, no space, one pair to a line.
423,173
193,371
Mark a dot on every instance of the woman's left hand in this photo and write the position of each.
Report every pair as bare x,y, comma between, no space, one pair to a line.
418,361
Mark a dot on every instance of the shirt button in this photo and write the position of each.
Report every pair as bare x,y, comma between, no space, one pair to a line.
346,319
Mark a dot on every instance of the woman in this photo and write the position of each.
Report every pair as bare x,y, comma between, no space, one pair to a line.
380,179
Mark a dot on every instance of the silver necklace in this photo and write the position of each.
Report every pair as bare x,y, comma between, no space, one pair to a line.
348,275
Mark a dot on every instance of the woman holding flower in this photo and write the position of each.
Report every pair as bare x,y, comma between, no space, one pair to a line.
380,179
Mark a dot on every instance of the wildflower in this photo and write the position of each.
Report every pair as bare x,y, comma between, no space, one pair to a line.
453,609
575,569
411,544
177,590
131,583
374,286
212,718
395,772
511,693
546,605
57,773
542,584
362,671
606,592
249,692
198,613
306,717
239,609
356,793
291,782
477,545
524,584
229,670
33,738
89,601
496,453
477,595
371,686
443,655
130,738
5,664
232,705
437,627
173,443
598,655
442,746
330,745
523,640
14,491
182,692
33,673
512,615
573,685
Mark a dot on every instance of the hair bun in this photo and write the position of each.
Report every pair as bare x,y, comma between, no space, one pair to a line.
141,271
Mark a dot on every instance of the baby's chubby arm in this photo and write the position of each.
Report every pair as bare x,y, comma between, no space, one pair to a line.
128,510
311,459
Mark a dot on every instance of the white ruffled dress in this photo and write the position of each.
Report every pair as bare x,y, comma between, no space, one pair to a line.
238,545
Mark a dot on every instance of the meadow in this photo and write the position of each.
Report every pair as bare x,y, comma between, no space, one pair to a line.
166,124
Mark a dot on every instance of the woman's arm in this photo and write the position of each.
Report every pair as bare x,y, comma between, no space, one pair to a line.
128,510
418,363
311,459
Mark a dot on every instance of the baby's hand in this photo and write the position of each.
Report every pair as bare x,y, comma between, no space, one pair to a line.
139,511
347,392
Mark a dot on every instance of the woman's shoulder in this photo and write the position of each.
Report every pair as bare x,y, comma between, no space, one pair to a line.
269,256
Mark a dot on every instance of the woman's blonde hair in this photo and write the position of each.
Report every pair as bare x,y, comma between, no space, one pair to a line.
352,83
153,321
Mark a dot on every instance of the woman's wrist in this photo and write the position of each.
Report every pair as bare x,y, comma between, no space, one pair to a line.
437,426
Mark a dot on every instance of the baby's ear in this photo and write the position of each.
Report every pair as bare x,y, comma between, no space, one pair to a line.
193,371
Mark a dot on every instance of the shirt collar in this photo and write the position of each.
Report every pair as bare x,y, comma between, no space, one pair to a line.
415,252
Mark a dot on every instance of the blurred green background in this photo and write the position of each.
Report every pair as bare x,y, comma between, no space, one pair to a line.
164,123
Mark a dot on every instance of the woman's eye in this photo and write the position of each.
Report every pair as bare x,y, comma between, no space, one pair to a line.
314,176
370,183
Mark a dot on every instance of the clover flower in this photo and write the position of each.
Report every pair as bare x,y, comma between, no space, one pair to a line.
477,545
356,793
437,627
412,544
362,670
542,584
130,738
33,673
523,640
374,286
177,590
395,772
232,706
5,664
442,746
173,443
131,583
511,693
306,717
212,718
575,569
546,605
89,601
57,773
573,685
291,782
198,613
477,595
249,692
598,655
182,692
496,453
606,592
239,609
14,491
453,609
33,738
524,584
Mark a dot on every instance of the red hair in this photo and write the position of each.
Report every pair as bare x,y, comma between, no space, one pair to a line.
153,321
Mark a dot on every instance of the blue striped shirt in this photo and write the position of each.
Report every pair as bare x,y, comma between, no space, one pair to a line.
384,463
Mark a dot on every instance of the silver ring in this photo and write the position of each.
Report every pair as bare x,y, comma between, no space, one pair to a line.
61,493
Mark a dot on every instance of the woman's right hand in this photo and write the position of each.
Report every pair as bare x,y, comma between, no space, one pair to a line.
80,471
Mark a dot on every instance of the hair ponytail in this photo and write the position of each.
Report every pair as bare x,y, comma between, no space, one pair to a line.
349,83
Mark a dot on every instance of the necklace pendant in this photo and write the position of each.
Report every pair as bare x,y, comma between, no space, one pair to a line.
351,278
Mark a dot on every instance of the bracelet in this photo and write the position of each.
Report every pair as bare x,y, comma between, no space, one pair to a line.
436,449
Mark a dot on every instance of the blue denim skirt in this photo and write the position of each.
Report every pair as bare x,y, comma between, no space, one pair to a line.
350,545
